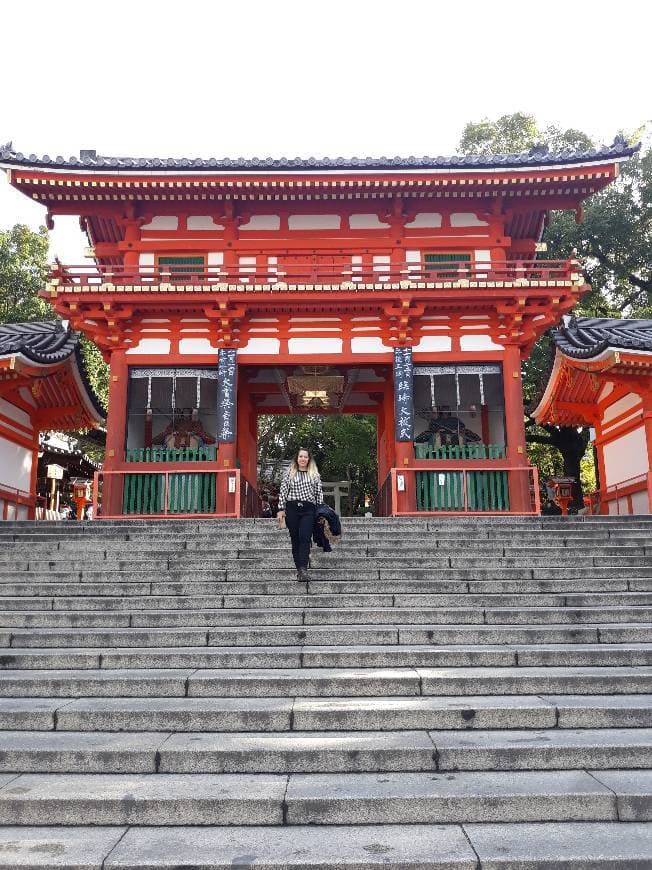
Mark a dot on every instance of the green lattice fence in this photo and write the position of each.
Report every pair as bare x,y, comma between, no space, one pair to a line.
188,493
444,490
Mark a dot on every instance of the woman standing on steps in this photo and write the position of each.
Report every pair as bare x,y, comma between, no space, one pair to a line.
300,494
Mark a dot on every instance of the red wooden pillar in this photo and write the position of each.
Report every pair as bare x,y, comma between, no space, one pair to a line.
647,420
116,431
33,476
602,471
247,435
132,241
519,484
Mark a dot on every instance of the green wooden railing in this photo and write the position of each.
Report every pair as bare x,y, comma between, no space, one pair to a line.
460,451
486,490
188,493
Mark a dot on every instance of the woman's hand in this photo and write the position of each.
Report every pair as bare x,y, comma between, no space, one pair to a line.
281,519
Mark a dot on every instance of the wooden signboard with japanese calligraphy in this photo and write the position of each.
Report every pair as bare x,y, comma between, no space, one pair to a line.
226,396
403,395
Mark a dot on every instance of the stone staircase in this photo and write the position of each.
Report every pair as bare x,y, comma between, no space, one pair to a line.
443,693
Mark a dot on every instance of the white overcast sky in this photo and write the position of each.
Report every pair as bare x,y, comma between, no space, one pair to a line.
203,78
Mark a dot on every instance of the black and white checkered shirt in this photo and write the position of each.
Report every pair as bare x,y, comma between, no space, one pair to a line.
301,487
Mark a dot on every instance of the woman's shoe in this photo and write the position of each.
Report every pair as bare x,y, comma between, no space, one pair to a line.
302,575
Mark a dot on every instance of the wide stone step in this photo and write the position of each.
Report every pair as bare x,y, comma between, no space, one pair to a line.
325,682
210,618
558,845
425,655
267,799
303,751
259,713
326,635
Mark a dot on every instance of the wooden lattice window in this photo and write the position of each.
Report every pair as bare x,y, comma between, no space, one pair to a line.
449,262
181,268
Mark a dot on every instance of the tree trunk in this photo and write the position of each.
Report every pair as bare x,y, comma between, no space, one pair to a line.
571,443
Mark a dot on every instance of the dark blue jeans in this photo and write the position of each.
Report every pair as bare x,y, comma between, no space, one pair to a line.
300,520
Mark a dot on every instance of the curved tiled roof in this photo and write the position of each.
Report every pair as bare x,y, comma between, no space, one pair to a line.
44,342
588,337
539,155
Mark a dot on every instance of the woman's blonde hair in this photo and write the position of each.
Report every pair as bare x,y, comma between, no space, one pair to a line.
312,469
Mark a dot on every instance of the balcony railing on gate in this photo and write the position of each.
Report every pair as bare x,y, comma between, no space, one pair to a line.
334,270
174,492
457,489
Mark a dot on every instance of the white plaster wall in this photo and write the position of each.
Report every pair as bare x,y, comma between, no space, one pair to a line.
314,222
369,344
482,256
466,219
15,465
15,413
315,345
196,345
162,222
26,396
434,343
478,342
626,456
366,222
640,503
606,391
146,263
625,404
262,222
262,346
425,220
202,222
214,262
151,345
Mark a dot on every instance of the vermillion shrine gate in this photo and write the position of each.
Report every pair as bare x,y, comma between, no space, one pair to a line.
406,288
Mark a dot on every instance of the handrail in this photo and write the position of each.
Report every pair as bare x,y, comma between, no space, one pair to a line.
616,491
319,269
12,495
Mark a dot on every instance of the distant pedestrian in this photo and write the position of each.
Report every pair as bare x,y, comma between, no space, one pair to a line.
301,492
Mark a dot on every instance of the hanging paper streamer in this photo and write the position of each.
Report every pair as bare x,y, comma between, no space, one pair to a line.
403,394
226,396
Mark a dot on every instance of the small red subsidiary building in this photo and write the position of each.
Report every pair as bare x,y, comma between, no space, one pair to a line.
602,377
43,386
410,289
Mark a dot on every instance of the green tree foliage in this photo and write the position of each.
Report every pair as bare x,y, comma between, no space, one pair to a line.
613,244
23,267
344,447
23,272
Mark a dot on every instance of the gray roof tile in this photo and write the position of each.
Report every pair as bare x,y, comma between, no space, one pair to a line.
539,155
588,337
